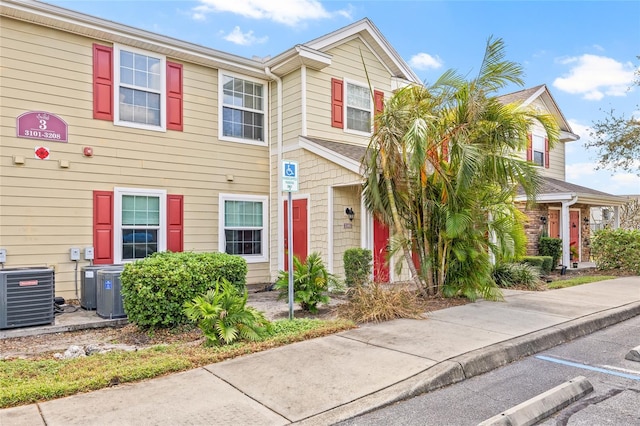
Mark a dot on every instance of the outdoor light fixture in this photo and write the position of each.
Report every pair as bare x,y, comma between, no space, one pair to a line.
543,219
349,212
585,220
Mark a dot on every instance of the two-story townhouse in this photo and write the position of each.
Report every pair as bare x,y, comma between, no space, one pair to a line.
131,142
151,143
562,209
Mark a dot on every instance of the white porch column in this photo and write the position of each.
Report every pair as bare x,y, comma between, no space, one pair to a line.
330,229
616,217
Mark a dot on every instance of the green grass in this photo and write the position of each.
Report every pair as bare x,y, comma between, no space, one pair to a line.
578,281
28,381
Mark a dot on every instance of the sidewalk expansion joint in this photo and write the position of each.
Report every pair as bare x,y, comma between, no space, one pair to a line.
246,394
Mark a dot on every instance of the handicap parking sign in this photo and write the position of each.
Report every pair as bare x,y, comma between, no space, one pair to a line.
290,170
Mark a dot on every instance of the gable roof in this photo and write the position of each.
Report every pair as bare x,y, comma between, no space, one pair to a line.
372,37
526,97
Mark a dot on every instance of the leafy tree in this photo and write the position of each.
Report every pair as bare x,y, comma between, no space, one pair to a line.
441,170
616,138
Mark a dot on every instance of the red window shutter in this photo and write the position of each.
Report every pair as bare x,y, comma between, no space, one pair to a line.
175,223
174,96
529,147
102,82
337,103
103,227
546,153
378,101
378,104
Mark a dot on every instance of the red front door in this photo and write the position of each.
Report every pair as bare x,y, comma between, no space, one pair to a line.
380,252
574,229
554,223
299,216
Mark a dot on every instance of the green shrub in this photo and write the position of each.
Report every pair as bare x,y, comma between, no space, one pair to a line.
536,261
550,247
357,266
516,274
155,288
617,249
311,282
547,264
223,316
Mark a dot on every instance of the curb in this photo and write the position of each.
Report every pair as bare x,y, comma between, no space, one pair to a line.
476,362
542,406
634,354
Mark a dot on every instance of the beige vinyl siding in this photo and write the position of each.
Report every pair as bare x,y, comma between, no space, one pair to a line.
317,175
291,107
47,209
556,168
346,64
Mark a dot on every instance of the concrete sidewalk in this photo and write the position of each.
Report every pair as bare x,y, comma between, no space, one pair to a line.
325,380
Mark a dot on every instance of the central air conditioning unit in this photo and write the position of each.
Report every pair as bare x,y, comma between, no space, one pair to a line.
26,297
89,284
109,303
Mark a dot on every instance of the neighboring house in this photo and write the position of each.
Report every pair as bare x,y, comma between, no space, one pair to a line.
132,142
562,209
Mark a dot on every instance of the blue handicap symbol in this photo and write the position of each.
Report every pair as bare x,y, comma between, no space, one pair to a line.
290,169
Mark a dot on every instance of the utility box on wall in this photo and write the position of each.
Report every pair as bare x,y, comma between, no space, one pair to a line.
26,297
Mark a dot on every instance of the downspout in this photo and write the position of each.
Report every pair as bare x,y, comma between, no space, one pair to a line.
280,212
565,229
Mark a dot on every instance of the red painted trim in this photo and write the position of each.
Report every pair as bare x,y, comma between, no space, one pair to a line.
103,227
174,96
337,103
175,223
102,82
546,153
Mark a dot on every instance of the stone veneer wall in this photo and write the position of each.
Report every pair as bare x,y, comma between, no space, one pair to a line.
533,227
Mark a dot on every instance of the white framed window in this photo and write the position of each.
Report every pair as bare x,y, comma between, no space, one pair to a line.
140,89
243,226
139,223
538,150
358,108
242,104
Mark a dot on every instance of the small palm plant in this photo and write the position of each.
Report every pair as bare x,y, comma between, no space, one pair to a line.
223,316
311,282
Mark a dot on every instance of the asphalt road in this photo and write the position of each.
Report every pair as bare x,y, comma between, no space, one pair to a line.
599,357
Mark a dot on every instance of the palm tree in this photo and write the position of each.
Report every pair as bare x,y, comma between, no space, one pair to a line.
441,162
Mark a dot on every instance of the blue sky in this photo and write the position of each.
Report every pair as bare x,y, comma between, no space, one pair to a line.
584,51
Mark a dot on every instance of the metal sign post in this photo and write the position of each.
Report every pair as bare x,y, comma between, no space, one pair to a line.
290,254
290,184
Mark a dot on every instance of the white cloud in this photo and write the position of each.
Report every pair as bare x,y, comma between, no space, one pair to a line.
595,77
580,130
244,39
577,171
287,12
424,61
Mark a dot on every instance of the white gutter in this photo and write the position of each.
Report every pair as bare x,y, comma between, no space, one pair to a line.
566,229
280,214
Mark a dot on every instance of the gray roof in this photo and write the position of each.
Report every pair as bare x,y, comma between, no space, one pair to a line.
551,187
519,96
353,152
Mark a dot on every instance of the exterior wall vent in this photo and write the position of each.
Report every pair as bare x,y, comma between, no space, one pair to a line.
26,297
